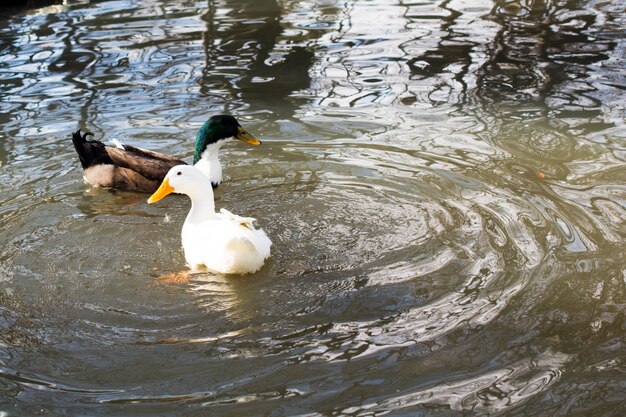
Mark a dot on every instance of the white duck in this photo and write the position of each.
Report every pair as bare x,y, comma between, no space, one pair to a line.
222,242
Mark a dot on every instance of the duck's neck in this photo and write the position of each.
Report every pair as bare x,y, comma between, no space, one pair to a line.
202,206
209,163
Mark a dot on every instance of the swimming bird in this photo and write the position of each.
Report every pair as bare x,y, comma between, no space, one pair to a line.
129,168
222,242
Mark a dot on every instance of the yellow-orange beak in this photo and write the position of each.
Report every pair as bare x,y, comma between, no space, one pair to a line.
244,136
164,189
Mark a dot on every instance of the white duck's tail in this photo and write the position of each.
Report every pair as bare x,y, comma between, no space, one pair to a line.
243,256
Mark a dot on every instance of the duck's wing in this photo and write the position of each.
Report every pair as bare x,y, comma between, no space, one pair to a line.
152,165
125,168
245,231
247,222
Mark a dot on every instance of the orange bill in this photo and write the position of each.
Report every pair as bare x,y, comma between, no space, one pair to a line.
244,136
164,189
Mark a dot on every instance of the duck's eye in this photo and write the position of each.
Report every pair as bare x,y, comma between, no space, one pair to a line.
178,173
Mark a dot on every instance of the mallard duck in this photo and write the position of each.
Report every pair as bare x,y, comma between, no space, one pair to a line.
222,242
129,168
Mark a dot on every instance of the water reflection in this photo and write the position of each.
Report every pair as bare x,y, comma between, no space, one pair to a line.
538,55
251,60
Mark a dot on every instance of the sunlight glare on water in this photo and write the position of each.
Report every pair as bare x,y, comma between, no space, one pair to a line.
443,183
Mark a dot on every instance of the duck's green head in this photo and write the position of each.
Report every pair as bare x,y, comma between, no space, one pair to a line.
220,128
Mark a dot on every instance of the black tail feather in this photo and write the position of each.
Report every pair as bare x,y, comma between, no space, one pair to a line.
90,152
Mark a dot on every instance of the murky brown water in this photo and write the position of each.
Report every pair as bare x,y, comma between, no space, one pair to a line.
420,265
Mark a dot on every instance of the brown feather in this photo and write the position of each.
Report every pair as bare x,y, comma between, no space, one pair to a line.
130,169
149,164
129,180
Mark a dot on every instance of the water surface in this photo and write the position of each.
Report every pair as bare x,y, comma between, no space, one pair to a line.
443,183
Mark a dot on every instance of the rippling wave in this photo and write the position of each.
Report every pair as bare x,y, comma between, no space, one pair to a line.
442,182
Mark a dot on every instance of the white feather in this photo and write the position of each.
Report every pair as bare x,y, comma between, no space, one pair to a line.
209,162
117,143
222,242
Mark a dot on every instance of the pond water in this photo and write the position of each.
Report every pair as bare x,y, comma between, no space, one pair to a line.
443,181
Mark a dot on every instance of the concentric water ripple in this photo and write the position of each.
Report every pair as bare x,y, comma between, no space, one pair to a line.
442,184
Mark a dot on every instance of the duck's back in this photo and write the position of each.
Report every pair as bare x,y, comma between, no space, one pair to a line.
225,245
125,167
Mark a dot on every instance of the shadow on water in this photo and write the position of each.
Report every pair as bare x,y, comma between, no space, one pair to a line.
17,6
